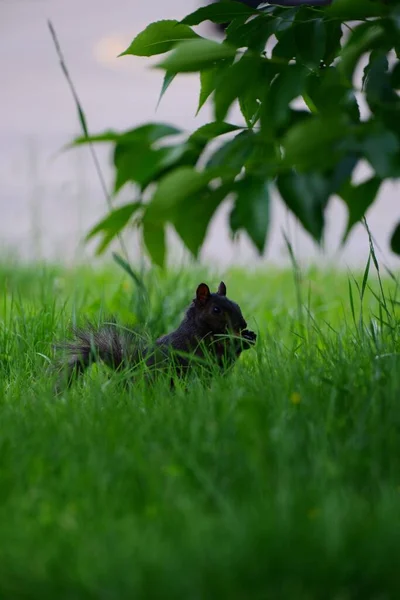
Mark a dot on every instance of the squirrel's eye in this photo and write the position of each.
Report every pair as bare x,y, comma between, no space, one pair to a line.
216,309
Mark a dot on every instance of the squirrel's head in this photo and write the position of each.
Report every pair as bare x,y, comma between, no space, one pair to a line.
215,313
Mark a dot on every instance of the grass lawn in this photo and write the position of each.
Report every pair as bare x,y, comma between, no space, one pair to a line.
279,480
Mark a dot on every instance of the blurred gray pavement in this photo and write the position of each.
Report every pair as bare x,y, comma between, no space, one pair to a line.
48,199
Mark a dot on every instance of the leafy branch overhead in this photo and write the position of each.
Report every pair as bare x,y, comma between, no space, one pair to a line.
308,151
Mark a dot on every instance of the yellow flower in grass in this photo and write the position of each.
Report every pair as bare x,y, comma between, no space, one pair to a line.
295,398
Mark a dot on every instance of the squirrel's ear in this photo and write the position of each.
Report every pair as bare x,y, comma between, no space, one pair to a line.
222,289
202,293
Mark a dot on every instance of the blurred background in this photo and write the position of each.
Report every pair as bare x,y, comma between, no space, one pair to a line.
49,199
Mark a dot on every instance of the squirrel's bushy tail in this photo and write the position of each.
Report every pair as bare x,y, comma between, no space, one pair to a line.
108,343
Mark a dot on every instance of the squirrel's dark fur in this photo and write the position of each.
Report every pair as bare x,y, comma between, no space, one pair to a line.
208,319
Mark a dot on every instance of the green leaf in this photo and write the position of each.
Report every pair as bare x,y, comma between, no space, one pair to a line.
377,82
174,188
251,209
251,97
367,69
395,76
115,220
294,117
334,32
284,19
306,195
147,133
154,239
250,106
220,12
310,38
383,100
240,76
365,37
193,217
265,160
184,199
234,154
395,17
159,37
382,150
395,240
253,35
233,26
340,175
168,79
330,93
136,160
207,86
314,143
357,10
150,133
196,55
287,86
358,199
139,163
209,131
285,49
112,224
108,136
209,79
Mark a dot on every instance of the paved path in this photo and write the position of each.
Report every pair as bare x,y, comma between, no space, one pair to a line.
49,200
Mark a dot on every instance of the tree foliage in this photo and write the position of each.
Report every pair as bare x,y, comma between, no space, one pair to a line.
308,153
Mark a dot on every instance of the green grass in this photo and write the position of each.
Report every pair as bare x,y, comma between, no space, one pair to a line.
280,480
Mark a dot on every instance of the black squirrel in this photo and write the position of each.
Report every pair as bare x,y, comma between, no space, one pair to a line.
213,327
